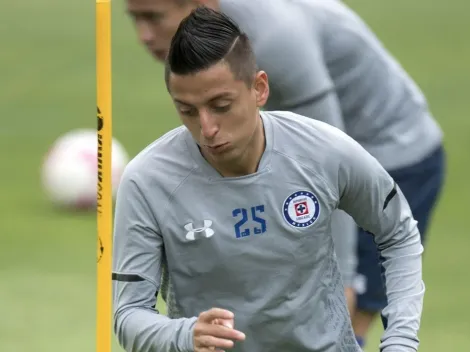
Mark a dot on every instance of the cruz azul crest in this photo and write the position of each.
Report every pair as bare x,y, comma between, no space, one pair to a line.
301,209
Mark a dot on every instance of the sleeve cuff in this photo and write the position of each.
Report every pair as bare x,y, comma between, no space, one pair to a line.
186,336
398,344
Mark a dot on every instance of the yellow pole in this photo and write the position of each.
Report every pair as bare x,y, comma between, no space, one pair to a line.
104,191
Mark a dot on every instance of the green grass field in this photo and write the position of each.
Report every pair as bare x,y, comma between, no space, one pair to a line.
47,259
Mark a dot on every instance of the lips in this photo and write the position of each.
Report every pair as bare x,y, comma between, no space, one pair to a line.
216,148
216,145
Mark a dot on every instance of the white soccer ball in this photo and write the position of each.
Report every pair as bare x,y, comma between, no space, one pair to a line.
70,169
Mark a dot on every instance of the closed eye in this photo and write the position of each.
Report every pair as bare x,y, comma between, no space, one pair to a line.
152,17
222,108
188,112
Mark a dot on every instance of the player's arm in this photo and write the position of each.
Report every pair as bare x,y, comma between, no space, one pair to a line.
137,253
373,199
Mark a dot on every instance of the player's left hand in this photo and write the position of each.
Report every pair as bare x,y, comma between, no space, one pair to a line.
214,331
224,322
228,323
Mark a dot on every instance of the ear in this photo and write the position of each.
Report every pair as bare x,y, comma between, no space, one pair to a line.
261,86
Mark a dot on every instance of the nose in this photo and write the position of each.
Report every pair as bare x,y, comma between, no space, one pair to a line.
209,125
145,32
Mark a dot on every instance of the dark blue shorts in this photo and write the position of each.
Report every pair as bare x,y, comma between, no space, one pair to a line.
421,184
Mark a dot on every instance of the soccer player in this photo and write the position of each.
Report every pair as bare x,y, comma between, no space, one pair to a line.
325,63
238,204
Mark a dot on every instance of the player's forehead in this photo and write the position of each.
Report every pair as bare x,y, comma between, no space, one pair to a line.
148,5
216,82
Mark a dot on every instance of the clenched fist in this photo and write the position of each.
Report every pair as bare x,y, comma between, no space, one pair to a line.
214,331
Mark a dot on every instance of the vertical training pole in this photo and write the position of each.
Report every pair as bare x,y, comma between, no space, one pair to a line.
104,191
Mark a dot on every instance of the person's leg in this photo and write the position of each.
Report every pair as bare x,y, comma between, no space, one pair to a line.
421,184
350,294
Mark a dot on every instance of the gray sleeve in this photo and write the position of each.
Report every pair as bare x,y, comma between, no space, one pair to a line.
137,257
344,231
372,198
298,76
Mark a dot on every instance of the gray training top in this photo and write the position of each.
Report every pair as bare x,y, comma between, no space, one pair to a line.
323,62
259,245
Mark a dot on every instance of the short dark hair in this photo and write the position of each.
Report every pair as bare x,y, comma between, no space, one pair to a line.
206,37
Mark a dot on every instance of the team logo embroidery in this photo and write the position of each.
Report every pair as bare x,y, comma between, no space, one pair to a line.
206,230
301,209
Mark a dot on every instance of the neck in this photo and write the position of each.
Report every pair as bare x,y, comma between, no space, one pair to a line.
247,163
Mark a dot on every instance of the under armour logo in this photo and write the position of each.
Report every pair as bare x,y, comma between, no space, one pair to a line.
191,235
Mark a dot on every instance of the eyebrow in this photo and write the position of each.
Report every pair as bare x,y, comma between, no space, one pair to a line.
216,97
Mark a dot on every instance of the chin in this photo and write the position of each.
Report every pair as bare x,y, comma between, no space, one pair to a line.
159,56
224,157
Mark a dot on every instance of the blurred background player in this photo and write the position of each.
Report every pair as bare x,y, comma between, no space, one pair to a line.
244,219
325,63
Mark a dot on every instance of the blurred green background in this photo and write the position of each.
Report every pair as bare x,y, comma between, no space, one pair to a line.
47,75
